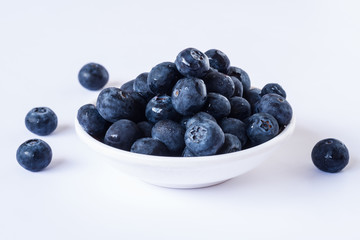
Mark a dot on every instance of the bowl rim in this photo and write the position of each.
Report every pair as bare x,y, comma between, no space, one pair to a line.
152,159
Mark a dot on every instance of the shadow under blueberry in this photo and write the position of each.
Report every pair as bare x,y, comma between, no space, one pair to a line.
56,163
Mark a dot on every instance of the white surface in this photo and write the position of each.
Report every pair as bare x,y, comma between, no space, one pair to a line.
192,172
312,48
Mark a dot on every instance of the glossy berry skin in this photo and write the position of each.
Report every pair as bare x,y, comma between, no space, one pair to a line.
122,134
34,155
235,127
330,155
204,138
231,144
200,116
41,121
140,86
218,60
93,76
162,78
189,96
145,128
240,108
261,127
128,86
114,104
277,106
171,134
217,105
91,121
241,75
149,146
219,83
273,88
191,62
239,89
160,108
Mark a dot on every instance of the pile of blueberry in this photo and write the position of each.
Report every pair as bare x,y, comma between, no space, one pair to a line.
198,105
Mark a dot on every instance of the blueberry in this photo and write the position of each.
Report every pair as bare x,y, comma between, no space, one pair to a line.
240,108
235,127
149,146
241,75
145,127
114,104
200,116
171,134
277,106
93,76
219,83
140,86
34,155
162,78
159,108
204,138
191,62
128,86
217,105
122,134
231,144
218,60
261,127
253,96
91,121
330,155
239,89
187,153
273,88
139,106
189,96
41,121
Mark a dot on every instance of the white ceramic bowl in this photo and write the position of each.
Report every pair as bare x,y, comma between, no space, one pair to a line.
186,172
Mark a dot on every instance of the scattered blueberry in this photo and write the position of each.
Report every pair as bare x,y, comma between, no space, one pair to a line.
277,106
191,62
219,83
141,86
189,96
231,144
92,122
218,60
235,127
93,76
159,108
149,146
241,75
162,78
273,88
261,127
41,121
330,155
217,105
122,134
240,108
171,134
34,155
204,138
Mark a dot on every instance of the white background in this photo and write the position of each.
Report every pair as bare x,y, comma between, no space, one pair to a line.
312,48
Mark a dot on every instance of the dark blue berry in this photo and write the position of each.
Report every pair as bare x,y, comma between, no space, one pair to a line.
330,155
92,122
162,78
145,127
218,60
159,108
114,104
236,127
241,75
219,83
141,86
191,62
171,134
273,88
277,106
187,153
122,134
139,106
200,116
189,96
128,86
204,138
231,144
149,146
240,108
261,127
217,105
34,155
93,76
41,121
253,96
239,89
